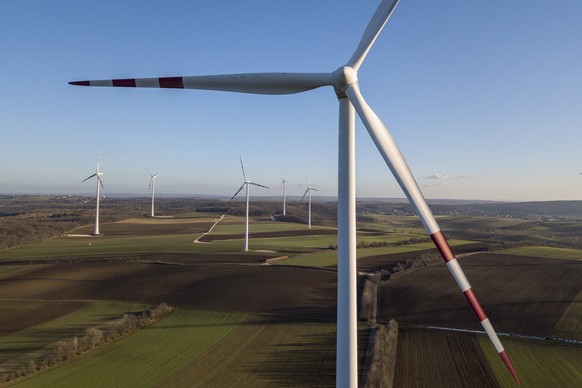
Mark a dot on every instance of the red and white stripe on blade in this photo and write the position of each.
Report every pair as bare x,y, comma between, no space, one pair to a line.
447,254
393,157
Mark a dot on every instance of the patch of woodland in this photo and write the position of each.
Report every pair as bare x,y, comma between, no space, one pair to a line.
68,349
382,365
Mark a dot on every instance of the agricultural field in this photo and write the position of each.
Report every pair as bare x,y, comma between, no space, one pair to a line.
511,289
211,349
267,317
547,252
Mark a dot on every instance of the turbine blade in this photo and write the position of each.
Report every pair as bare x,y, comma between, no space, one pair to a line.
100,182
392,156
88,177
378,21
256,83
243,168
256,184
306,191
238,191
314,189
151,181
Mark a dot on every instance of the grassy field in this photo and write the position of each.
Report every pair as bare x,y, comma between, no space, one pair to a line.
541,251
329,257
570,323
538,364
210,349
7,271
29,325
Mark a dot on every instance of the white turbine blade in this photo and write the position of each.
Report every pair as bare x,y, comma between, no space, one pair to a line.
151,181
256,184
88,178
314,189
393,157
100,181
257,83
378,21
243,168
306,191
399,168
238,191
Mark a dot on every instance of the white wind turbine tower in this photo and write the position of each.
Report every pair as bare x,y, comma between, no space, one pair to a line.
344,80
97,174
152,187
246,185
308,191
284,185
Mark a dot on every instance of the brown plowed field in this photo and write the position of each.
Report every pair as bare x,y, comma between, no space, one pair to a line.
520,294
170,258
16,316
118,229
283,233
430,358
257,289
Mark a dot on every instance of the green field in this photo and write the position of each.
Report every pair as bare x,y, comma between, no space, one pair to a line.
7,271
99,246
570,323
29,339
538,364
546,252
232,224
329,257
210,349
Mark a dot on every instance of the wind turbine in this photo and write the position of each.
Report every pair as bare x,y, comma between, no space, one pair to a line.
284,185
308,191
152,187
246,185
98,174
344,80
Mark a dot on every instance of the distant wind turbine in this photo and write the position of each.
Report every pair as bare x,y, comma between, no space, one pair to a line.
152,187
246,185
97,174
308,191
344,81
284,185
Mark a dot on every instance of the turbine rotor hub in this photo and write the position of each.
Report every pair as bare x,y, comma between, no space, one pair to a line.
344,77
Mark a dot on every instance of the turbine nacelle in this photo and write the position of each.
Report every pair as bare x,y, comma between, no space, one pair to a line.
343,78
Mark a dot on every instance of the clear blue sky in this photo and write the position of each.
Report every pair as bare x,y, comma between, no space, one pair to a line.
483,97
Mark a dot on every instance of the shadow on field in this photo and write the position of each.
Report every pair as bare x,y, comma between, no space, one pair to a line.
307,362
310,362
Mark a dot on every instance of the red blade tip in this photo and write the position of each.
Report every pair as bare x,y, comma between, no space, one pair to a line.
80,83
509,366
